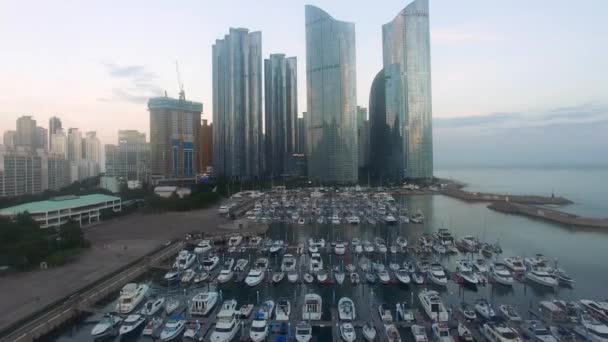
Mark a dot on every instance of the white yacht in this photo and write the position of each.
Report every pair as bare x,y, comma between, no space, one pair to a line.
385,314
105,326
173,329
600,309
293,276
227,324
347,332
210,262
340,276
186,262
419,333
390,219
468,243
340,249
592,328
537,331
266,309
261,263
464,270
537,260
433,306
404,313
283,310
203,247
255,277
403,276
289,263
335,219
480,265
441,332
353,219
384,277
346,309
401,242
484,309
315,263
515,264
259,329
368,247
152,306
276,246
501,274
509,313
437,274
303,332
228,264
241,265
235,240
131,326
131,296
542,276
203,303
312,308
225,276
322,276
496,332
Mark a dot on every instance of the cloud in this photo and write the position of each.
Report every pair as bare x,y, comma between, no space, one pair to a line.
142,83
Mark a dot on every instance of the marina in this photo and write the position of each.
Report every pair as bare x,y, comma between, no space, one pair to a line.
380,254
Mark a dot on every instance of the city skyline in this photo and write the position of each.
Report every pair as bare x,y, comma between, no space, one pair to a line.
476,55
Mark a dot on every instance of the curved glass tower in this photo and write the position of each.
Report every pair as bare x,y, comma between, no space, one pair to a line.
407,69
331,98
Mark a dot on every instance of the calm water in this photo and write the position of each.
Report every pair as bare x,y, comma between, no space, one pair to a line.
581,254
585,186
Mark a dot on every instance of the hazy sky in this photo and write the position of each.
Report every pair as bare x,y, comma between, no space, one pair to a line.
94,63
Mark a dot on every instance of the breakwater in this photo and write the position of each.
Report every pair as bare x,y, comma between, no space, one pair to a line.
550,215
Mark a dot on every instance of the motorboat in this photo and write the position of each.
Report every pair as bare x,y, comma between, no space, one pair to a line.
464,334
283,310
392,334
346,309
401,242
464,270
368,247
592,329
171,305
444,236
480,266
347,332
359,249
255,241
393,249
537,331
152,306
259,329
404,313
599,309
203,303
322,276
303,332
394,266
186,261
390,219
384,277
266,309
563,334
224,209
418,278
174,327
486,251
203,247
210,262
312,308
340,249
245,311
254,277
227,324
500,274
289,263
131,295
378,266
441,332
278,276
241,265
106,326
381,248
419,333
152,326
276,247
308,278
484,309
468,312
537,260
365,264
132,325
293,276
201,277
192,331
235,240
385,314
188,276
339,275
369,332
301,221
542,276
515,264
403,276
173,274
498,332
432,305
437,274
353,219
354,278
225,276
423,266
228,264
315,263
439,248
468,243
562,277
509,313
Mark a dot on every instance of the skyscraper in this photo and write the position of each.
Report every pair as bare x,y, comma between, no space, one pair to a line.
362,136
281,104
9,138
130,159
331,98
301,134
174,137
26,132
206,148
379,133
237,104
59,143
54,127
42,138
407,70
74,148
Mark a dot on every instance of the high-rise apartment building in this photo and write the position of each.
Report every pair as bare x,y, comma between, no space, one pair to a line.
20,172
54,127
174,137
9,138
237,105
26,132
281,111
130,159
42,138
59,143
407,71
331,98
74,148
206,148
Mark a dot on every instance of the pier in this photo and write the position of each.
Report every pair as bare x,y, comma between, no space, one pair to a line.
548,215
488,197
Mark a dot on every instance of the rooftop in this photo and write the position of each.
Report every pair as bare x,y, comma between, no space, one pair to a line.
58,203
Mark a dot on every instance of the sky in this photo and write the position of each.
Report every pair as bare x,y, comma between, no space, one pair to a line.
501,70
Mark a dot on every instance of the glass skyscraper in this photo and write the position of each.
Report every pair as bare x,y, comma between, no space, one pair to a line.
237,105
407,74
331,98
281,104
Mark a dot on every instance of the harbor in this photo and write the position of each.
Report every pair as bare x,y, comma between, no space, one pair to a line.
368,297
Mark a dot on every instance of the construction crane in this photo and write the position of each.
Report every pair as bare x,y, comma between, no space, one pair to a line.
182,94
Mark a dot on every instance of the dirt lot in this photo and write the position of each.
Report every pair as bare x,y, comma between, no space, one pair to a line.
114,244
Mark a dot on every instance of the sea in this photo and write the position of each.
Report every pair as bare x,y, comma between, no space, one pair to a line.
581,253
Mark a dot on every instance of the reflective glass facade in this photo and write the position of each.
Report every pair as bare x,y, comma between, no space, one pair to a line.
407,70
331,98
237,104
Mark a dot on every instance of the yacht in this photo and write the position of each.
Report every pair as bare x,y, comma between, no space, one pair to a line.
418,217
501,274
227,324
315,263
276,247
225,276
401,242
152,306
235,240
210,262
335,219
433,306
188,276
308,278
259,329
353,219
201,277
131,326
266,309
173,274
301,221
384,277
131,296
392,334
255,277
418,278
404,313
480,266
403,276
509,313
312,308
467,243
340,249
346,309
484,309
390,219
203,247
537,260
354,278
339,275
289,263
293,276
303,332
278,276
241,265
106,326
496,332
245,311
223,209
464,270
347,332
437,274
537,331
423,266
464,334
261,263
171,305
592,329
444,237
186,262
283,310
441,332
203,303
322,276
385,314
597,308
542,276
419,333
468,312
515,264
192,331
369,332
368,247
152,326
174,327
